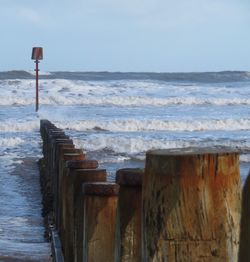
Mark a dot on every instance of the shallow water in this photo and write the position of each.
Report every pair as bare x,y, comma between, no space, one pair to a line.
21,224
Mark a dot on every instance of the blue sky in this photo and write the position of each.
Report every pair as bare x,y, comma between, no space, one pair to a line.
126,35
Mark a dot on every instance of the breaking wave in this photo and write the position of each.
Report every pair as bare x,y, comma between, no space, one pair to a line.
121,101
11,142
24,126
138,145
133,125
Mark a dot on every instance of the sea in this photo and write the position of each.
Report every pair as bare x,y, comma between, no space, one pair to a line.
115,118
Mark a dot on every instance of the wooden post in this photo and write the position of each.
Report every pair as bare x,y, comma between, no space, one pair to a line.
47,143
59,147
48,178
244,250
83,175
100,204
73,209
45,178
52,138
70,176
191,205
129,215
72,154
44,125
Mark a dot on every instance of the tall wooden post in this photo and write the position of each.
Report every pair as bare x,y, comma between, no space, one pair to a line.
60,147
73,209
72,154
100,203
129,215
191,205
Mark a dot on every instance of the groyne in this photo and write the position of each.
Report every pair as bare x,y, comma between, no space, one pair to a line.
185,205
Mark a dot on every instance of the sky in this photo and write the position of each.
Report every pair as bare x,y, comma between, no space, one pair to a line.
126,35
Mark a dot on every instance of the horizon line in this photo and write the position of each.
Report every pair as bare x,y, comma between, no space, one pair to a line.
132,72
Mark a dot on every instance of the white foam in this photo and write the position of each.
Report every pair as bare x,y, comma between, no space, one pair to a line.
19,126
118,93
245,158
129,145
8,160
11,142
41,73
133,101
139,145
132,125
113,159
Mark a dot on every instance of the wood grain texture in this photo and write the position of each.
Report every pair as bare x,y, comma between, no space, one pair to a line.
128,225
191,206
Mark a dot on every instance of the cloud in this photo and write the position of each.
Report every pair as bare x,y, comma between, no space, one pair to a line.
28,15
173,15
163,15
19,14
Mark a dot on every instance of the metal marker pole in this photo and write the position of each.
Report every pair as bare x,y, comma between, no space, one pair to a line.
37,102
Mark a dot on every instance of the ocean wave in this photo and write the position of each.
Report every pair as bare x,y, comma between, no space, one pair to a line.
245,158
113,159
15,74
127,145
41,73
138,145
130,125
7,161
121,101
11,141
144,101
14,126
134,125
202,77
120,93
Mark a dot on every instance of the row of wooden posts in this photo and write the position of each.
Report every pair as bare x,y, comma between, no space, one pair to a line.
185,206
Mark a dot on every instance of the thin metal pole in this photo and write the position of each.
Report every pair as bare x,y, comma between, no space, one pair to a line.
37,101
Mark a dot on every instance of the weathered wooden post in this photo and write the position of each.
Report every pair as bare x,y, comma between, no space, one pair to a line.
44,125
100,204
129,215
60,146
50,135
53,136
191,205
73,205
47,140
244,250
73,185
65,155
44,168
78,177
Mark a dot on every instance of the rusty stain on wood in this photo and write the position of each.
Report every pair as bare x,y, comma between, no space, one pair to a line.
191,206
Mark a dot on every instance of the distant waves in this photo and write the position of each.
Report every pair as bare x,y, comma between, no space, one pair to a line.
202,77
